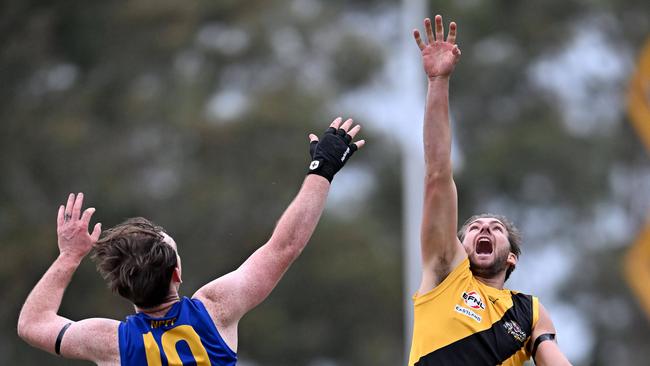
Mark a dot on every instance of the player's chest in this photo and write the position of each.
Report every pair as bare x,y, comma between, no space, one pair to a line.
472,308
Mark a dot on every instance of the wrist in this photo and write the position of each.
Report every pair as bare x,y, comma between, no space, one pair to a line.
70,258
439,79
322,169
317,179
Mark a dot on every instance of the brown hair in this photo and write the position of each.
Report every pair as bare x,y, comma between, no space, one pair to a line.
136,262
514,236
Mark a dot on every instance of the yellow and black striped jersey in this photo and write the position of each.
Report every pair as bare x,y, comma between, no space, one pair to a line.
465,322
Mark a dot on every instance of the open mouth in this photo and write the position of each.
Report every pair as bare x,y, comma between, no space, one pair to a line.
484,246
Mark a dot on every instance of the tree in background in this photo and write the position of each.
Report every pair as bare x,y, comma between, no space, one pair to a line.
190,114
184,112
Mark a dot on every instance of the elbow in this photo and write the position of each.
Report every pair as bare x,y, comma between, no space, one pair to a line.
293,248
437,171
438,175
26,328
290,245
23,329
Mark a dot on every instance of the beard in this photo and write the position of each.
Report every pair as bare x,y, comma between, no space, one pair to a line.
499,264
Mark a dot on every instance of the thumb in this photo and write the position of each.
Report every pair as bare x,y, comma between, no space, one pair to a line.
312,137
96,232
359,144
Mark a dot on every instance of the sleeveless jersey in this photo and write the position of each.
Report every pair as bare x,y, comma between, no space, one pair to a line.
186,335
465,322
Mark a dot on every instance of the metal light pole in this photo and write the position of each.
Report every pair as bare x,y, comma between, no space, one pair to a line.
411,88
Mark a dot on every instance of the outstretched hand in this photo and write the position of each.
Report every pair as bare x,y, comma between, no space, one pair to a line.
334,149
439,56
72,228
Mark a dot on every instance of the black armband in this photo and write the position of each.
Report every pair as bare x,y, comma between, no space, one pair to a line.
330,153
540,339
57,344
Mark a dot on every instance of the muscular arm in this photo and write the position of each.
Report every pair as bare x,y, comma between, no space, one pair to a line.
39,322
441,249
231,296
237,292
548,352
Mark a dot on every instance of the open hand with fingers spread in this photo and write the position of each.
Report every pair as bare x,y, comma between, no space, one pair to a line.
334,149
439,56
72,228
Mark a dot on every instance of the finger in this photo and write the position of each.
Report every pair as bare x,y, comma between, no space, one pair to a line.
353,132
418,39
313,138
346,125
88,213
69,204
336,123
440,30
76,209
94,236
427,29
360,143
451,38
59,216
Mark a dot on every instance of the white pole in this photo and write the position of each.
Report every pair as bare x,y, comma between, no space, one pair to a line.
411,85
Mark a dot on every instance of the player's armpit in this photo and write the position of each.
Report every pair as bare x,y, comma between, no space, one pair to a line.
232,295
229,297
440,247
94,339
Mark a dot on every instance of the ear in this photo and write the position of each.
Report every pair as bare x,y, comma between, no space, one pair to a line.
512,259
176,275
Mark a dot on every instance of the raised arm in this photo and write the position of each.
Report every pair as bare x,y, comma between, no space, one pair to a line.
39,323
441,249
229,297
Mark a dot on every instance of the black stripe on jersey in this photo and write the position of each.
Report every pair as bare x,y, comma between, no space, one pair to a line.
491,346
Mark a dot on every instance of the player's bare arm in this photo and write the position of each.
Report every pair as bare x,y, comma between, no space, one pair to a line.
229,297
441,249
39,323
544,346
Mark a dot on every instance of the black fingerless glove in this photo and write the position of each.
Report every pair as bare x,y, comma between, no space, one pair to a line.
330,153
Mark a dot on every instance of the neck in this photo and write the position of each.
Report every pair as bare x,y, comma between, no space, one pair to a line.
496,282
162,308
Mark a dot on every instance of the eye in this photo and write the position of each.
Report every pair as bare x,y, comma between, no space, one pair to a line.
473,227
497,228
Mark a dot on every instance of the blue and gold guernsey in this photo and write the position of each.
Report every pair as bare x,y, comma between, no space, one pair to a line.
186,335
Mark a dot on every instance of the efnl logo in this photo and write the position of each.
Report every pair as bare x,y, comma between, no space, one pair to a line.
473,300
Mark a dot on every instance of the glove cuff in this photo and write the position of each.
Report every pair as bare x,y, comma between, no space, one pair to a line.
320,167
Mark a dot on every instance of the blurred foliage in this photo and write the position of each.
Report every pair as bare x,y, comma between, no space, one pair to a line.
118,100
195,115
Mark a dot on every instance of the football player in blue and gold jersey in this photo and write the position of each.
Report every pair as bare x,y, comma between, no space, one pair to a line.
141,263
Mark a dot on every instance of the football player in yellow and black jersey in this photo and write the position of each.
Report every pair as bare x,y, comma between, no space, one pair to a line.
463,315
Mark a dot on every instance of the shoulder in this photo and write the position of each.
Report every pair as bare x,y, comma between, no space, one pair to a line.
544,323
223,322
213,303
